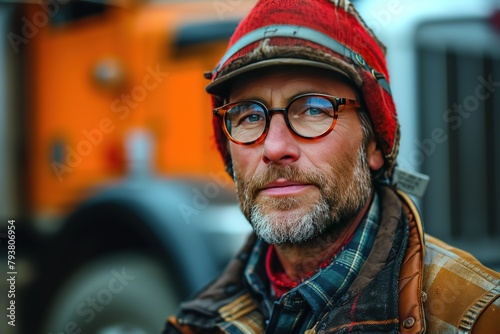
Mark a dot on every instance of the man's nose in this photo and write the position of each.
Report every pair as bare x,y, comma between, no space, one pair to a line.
280,144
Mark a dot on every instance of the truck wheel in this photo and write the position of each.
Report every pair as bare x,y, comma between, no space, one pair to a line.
125,293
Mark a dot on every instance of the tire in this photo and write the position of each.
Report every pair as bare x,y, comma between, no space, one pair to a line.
124,293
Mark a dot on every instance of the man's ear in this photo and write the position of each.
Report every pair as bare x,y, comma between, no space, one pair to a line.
374,156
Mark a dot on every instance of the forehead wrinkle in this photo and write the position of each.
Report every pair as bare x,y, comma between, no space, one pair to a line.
271,96
275,88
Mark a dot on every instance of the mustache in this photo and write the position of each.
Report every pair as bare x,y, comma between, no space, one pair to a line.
288,172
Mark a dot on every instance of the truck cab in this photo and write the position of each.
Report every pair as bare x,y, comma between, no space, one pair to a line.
109,167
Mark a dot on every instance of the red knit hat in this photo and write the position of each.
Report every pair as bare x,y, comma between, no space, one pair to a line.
327,34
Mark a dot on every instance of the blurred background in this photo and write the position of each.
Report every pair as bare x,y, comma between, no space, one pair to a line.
121,204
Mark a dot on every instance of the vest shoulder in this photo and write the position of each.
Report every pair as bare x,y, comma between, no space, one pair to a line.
460,292
440,254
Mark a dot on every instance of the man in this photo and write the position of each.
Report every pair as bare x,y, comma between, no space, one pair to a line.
307,127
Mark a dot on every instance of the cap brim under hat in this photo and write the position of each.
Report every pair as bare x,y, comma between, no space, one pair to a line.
220,85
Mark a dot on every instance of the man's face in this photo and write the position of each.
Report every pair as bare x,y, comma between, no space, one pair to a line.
293,189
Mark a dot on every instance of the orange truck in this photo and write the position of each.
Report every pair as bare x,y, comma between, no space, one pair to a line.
109,168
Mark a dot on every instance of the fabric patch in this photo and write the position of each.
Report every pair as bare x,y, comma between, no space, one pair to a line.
449,296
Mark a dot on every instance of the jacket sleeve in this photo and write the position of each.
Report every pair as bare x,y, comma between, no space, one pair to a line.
173,327
489,320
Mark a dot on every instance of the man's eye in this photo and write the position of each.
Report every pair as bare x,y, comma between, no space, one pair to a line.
252,118
313,112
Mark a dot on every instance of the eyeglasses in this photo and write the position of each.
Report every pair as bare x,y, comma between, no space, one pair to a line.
309,116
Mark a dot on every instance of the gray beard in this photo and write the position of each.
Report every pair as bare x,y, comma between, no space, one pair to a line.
296,229
341,199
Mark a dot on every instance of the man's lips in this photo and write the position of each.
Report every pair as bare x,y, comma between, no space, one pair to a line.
283,187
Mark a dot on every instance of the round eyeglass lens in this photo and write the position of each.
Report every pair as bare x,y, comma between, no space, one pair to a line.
246,122
311,116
